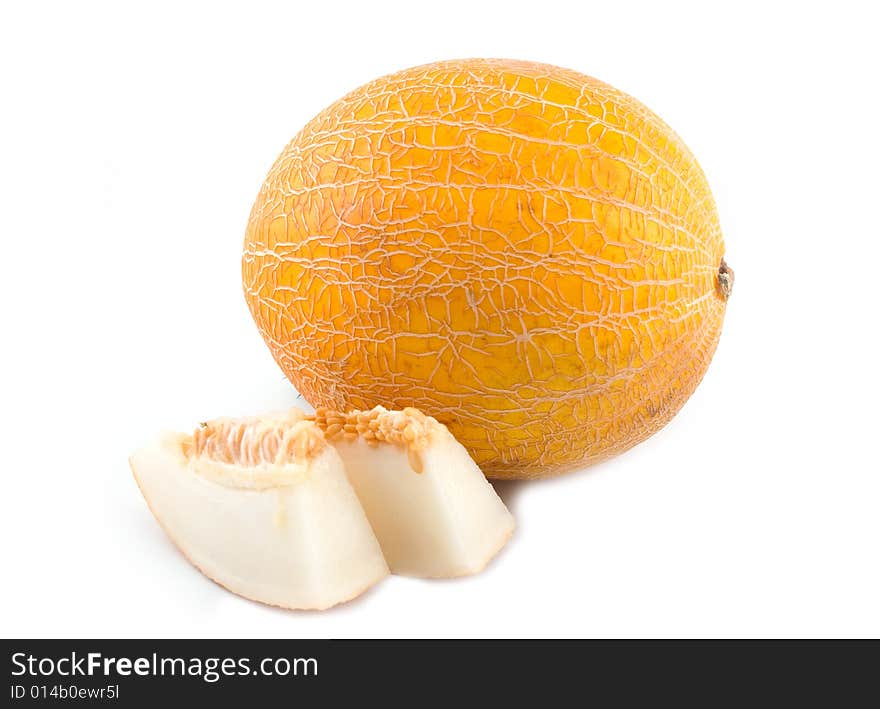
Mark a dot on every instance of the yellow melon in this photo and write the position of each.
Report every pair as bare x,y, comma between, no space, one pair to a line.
525,253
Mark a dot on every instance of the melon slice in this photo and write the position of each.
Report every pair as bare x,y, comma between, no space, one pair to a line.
263,507
431,507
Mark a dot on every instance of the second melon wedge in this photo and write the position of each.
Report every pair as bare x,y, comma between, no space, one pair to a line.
430,506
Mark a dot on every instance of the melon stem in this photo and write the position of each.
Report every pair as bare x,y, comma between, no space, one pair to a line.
725,279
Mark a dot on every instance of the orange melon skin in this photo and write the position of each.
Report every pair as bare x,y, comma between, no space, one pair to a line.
521,251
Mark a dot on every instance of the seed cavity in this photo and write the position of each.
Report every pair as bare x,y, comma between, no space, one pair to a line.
296,437
280,440
409,427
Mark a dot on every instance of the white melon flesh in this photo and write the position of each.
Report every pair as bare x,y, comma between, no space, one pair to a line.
433,511
290,534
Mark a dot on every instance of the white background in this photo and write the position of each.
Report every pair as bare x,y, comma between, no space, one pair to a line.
133,143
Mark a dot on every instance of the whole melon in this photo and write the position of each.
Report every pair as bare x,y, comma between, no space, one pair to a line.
523,252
